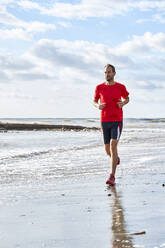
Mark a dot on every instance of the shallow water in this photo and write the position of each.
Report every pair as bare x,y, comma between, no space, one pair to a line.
47,155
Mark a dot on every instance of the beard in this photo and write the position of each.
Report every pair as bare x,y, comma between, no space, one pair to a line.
109,78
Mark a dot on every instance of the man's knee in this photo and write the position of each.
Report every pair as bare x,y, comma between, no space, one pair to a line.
107,149
113,145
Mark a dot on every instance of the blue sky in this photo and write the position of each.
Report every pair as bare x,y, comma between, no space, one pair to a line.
52,56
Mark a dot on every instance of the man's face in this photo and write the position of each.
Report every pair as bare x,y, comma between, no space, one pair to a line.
109,74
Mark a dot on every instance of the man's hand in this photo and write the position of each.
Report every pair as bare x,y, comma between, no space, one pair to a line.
101,106
120,104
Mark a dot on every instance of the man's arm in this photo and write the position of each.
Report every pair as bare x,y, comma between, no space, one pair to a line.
99,106
122,103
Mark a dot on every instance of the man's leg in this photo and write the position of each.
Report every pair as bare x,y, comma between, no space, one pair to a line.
106,128
107,149
115,135
108,152
114,155
114,161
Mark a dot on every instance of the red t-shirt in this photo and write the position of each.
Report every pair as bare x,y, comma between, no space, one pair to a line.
111,94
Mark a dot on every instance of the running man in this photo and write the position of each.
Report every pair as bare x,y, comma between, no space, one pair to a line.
112,96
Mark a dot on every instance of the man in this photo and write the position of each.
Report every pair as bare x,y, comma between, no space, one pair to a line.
112,96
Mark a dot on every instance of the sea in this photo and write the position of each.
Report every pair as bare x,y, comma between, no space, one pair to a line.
34,162
44,156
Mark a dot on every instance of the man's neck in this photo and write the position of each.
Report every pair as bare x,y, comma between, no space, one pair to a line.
112,82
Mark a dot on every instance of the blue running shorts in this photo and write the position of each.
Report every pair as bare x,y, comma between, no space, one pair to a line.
111,130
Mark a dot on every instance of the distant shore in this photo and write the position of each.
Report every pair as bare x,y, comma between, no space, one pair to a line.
5,126
76,124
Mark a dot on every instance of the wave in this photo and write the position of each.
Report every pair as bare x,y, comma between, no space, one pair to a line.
146,119
157,120
31,155
90,120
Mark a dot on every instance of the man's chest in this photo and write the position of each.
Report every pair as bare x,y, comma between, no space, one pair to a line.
109,93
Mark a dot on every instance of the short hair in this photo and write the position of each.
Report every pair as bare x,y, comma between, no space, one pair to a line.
112,66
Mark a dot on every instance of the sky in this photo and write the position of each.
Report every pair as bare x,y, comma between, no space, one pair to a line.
53,53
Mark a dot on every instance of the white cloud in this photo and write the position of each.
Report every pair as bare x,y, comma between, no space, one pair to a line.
9,19
3,76
79,56
159,17
143,20
22,30
84,9
32,76
83,61
9,62
36,26
53,77
29,5
148,84
64,24
15,33
148,5
92,8
21,69
6,2
53,72
142,45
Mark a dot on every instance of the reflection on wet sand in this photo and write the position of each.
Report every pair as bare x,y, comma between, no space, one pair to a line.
121,238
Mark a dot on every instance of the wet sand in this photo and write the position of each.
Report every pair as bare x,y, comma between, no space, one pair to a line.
84,212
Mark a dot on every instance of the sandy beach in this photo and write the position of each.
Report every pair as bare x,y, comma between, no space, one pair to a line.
57,198
84,212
